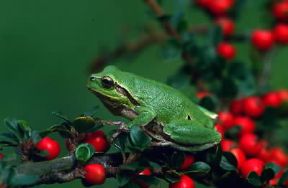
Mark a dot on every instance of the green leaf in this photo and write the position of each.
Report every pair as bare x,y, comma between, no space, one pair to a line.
13,127
171,178
213,156
83,124
9,138
284,178
154,165
121,141
35,135
123,178
139,139
61,116
215,36
267,175
176,160
199,169
22,180
84,152
131,184
254,179
228,162
62,129
271,169
150,180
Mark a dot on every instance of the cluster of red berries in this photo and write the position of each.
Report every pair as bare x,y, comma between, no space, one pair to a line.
261,39
185,181
95,174
251,152
219,9
52,148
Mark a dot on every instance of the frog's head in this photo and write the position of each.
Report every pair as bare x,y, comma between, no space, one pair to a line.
108,86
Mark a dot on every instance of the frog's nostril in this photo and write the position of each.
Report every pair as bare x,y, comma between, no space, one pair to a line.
92,78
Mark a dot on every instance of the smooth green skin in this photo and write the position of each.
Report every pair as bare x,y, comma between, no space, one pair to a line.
143,100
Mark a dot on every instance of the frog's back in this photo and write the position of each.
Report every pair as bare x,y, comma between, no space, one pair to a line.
167,102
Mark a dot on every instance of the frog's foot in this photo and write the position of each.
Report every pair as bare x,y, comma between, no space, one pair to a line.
154,131
190,135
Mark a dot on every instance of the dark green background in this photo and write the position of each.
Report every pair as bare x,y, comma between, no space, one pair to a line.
47,45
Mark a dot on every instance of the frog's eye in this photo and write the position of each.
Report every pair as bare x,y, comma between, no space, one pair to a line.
107,82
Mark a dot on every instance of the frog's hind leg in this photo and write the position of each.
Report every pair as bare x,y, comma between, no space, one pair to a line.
192,135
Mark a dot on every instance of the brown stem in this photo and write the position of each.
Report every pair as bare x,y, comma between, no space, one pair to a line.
150,38
159,12
67,169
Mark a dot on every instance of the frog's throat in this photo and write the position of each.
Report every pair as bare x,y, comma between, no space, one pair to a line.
122,91
116,107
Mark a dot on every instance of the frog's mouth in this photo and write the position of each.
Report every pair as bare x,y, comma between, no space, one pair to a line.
122,93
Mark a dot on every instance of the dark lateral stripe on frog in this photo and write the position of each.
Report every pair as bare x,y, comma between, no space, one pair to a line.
126,93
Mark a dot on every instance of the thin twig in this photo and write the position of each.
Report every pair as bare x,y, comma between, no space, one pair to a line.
159,12
147,39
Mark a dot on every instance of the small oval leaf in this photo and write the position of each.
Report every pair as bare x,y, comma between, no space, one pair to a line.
84,152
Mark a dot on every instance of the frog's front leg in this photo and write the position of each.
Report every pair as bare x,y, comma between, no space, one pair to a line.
189,132
145,116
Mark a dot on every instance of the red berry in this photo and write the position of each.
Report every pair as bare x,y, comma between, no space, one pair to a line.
227,26
236,106
264,154
253,106
252,165
281,33
202,94
225,119
145,172
273,182
98,140
283,95
184,182
227,144
95,174
1,156
272,99
249,144
278,156
220,7
246,124
220,129
262,39
239,155
98,133
188,161
226,50
280,10
50,146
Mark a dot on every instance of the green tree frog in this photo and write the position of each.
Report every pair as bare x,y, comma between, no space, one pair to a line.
146,101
